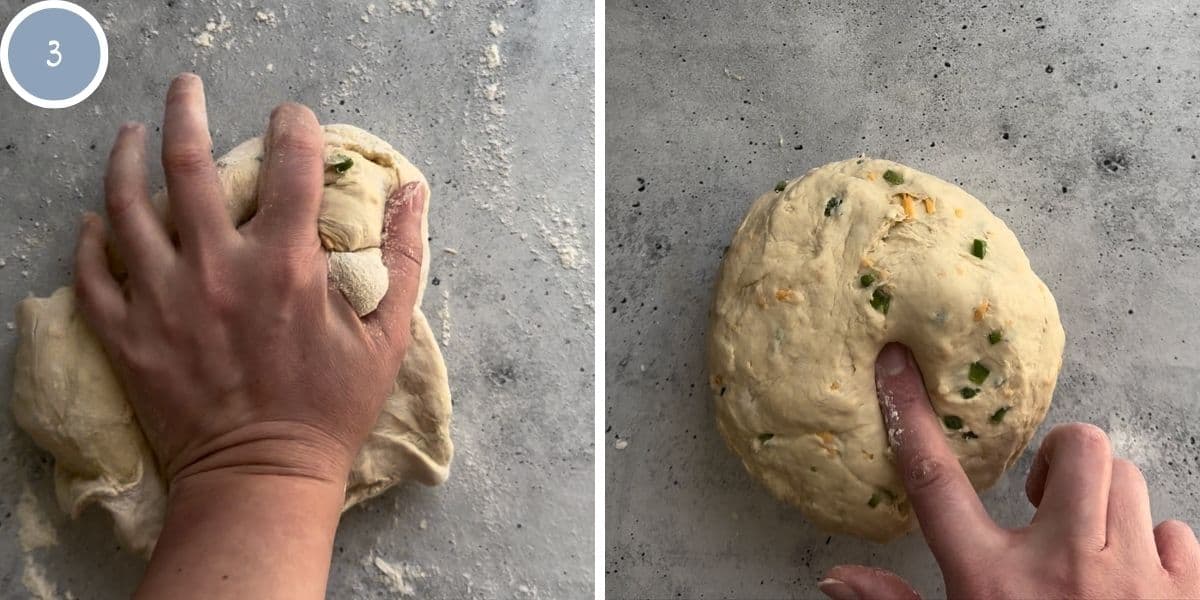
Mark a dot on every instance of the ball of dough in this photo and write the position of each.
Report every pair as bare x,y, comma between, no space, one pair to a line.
67,397
824,271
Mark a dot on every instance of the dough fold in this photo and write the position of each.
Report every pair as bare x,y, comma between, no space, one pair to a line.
67,397
821,274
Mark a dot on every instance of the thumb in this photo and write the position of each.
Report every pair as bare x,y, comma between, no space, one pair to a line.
403,254
856,582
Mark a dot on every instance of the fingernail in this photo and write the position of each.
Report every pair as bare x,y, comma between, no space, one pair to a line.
837,589
893,360
416,199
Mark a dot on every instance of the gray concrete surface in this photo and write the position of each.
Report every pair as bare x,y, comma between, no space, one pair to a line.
511,168
1076,122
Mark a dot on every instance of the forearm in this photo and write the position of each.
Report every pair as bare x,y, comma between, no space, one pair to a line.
238,535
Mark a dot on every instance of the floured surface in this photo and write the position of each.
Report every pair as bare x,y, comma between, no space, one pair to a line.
700,105
499,147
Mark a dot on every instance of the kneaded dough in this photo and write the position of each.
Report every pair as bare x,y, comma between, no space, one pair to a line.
820,275
67,397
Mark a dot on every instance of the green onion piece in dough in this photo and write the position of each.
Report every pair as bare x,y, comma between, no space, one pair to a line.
968,392
998,415
952,422
832,205
995,337
970,435
874,501
866,280
979,248
779,187
893,177
342,163
881,300
765,437
977,373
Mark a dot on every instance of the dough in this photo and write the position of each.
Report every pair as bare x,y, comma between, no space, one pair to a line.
66,396
821,274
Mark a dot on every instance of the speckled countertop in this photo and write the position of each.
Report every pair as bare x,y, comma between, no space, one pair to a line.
505,138
1075,122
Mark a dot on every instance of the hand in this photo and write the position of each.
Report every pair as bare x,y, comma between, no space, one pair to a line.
233,351
1092,536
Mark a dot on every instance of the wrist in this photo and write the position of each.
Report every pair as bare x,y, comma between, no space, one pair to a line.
268,450
225,529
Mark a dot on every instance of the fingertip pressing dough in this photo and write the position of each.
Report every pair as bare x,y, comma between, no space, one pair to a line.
67,397
824,271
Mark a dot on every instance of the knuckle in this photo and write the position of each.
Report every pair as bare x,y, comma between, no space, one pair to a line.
85,292
407,253
297,141
135,357
927,473
214,292
187,158
292,275
117,197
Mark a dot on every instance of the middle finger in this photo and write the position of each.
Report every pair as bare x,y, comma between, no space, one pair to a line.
1069,483
196,196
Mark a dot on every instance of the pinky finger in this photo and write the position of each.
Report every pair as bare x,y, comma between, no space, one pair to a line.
97,292
1177,546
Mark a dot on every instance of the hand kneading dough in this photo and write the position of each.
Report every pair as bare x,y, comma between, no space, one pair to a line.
70,401
795,330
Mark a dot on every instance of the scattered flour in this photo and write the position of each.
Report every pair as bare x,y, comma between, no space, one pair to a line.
444,316
205,37
562,234
425,7
34,531
1133,444
266,17
34,577
398,577
491,56
34,528
621,445
496,28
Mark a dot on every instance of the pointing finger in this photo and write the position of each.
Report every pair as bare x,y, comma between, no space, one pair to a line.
942,497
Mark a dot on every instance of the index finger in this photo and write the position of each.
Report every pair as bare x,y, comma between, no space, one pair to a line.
943,498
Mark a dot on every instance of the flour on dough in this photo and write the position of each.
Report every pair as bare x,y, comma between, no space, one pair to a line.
821,274
66,396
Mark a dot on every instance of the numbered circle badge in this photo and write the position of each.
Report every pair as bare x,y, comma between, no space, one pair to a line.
54,54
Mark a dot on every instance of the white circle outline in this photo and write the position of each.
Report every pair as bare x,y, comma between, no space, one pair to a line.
29,11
